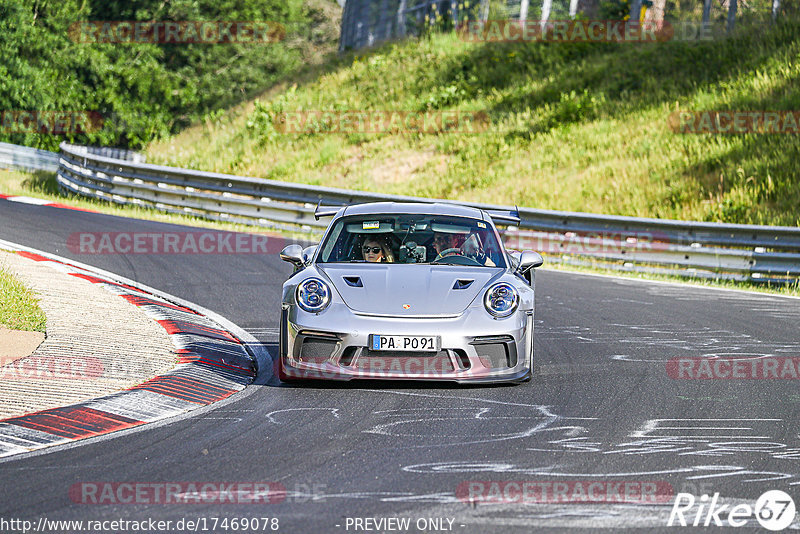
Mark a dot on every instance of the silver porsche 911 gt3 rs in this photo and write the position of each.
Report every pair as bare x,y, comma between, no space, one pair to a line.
408,291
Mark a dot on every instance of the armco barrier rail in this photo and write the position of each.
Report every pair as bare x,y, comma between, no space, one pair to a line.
32,159
23,157
742,252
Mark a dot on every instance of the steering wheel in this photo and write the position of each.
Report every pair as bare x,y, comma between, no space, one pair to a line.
448,251
456,259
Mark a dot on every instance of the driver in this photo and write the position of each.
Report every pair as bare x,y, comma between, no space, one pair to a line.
447,244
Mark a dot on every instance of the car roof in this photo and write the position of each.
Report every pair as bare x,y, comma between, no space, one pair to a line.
424,208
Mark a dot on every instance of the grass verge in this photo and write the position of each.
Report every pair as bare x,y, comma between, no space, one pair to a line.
19,307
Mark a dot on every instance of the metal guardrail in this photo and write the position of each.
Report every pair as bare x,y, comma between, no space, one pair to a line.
734,251
116,153
26,158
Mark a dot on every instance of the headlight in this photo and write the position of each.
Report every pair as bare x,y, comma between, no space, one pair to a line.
313,295
501,300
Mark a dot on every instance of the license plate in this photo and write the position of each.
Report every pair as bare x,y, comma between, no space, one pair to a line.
409,343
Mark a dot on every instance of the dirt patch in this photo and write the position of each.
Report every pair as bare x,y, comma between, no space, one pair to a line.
17,344
402,167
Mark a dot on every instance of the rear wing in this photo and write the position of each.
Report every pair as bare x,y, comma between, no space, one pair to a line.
510,216
325,211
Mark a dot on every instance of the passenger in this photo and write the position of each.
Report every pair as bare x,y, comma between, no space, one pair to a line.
377,249
473,248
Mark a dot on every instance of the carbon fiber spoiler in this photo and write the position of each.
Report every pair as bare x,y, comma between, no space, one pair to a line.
325,211
510,216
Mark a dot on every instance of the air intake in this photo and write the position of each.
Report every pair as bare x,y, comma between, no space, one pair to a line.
315,350
496,351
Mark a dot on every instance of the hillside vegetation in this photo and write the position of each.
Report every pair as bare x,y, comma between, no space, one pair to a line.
574,126
139,91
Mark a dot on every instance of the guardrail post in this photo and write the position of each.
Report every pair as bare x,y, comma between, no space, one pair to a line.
636,11
731,15
706,14
546,6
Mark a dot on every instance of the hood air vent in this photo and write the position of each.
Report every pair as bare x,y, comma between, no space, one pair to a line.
353,281
462,284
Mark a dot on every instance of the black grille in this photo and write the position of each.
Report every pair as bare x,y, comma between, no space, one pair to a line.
496,352
369,353
315,350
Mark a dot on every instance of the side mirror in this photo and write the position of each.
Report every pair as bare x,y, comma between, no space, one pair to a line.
294,255
529,260
308,254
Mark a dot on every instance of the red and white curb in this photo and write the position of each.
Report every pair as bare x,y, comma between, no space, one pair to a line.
215,360
41,202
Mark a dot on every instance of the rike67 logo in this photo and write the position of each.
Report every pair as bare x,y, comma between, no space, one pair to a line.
774,510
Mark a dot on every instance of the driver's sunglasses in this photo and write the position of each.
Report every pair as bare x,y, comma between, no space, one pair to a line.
375,250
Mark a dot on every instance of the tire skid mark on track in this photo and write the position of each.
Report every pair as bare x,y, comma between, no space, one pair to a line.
212,364
658,343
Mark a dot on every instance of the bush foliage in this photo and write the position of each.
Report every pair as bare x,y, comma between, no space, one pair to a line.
142,91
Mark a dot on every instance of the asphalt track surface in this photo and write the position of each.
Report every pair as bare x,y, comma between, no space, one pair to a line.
601,408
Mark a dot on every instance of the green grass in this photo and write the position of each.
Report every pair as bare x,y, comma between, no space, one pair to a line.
574,126
19,308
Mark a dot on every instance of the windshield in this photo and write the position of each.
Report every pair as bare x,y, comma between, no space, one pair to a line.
412,238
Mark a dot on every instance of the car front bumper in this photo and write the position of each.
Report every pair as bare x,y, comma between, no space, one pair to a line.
334,345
